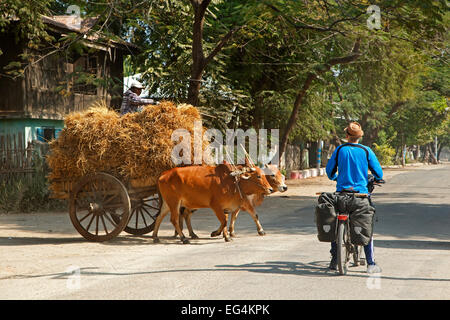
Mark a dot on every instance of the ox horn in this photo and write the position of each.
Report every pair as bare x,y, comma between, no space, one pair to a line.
248,160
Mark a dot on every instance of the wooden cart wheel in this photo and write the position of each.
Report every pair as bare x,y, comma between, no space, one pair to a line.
144,212
99,207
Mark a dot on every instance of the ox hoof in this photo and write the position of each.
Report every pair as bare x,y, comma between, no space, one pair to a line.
194,236
232,234
156,240
227,239
214,234
262,233
186,241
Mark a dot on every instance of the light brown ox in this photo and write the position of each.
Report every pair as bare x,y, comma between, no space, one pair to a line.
220,188
276,180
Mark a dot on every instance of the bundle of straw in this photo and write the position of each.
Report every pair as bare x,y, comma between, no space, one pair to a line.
136,146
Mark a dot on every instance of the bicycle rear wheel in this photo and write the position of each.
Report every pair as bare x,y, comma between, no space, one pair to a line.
342,252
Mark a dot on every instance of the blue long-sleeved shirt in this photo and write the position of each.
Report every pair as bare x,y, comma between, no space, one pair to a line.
351,168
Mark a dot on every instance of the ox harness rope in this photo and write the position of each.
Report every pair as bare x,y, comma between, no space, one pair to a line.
236,174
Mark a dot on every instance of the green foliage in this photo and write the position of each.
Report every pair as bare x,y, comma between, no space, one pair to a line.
397,89
385,154
164,35
27,194
27,13
11,194
315,120
426,116
23,19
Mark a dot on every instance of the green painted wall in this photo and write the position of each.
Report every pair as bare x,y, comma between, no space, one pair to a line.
28,127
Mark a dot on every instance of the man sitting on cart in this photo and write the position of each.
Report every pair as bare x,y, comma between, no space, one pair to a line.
352,164
132,100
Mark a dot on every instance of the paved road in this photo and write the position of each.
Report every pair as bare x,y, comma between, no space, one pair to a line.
412,245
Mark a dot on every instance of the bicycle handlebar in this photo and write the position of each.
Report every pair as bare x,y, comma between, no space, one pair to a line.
372,182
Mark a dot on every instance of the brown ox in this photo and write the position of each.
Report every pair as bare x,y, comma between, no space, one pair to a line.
220,188
276,180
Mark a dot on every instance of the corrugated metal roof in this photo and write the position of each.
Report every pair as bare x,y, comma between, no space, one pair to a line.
71,23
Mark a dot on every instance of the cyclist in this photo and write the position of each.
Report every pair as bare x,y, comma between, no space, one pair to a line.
349,166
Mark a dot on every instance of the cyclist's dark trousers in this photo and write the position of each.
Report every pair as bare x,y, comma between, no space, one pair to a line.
368,250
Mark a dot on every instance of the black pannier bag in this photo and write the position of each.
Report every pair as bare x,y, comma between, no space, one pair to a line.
326,218
361,217
361,222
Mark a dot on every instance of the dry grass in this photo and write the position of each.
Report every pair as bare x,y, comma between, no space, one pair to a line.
136,146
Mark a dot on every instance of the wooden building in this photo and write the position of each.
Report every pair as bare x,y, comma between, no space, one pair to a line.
52,86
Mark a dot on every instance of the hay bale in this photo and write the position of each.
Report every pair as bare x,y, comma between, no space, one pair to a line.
136,146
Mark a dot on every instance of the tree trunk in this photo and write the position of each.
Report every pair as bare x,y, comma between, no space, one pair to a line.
294,114
417,153
194,86
306,85
370,138
199,61
371,135
258,113
198,57
424,154
432,156
439,152
397,156
403,155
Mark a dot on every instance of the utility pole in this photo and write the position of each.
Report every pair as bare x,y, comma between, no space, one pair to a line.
403,150
319,153
435,147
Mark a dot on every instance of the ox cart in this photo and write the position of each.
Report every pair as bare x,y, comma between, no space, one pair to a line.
101,205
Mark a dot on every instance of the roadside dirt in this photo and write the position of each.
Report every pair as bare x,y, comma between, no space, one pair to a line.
308,187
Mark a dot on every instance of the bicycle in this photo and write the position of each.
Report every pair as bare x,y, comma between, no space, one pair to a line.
344,245
345,248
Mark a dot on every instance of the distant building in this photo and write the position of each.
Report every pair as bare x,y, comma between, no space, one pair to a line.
35,105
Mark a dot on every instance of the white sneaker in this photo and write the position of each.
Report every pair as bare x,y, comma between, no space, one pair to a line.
373,268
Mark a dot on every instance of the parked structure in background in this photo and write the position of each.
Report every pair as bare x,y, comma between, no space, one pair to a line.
16,160
319,154
33,107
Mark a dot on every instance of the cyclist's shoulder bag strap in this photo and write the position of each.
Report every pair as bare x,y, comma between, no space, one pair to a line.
351,145
348,145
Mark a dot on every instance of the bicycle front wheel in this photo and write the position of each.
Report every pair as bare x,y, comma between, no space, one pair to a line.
342,254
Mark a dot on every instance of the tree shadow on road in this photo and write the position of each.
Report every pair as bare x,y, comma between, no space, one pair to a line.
311,269
25,241
122,240
412,244
408,195
317,268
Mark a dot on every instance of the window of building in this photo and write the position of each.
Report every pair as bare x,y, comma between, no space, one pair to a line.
85,73
45,134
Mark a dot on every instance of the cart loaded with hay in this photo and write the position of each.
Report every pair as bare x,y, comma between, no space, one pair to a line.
107,166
